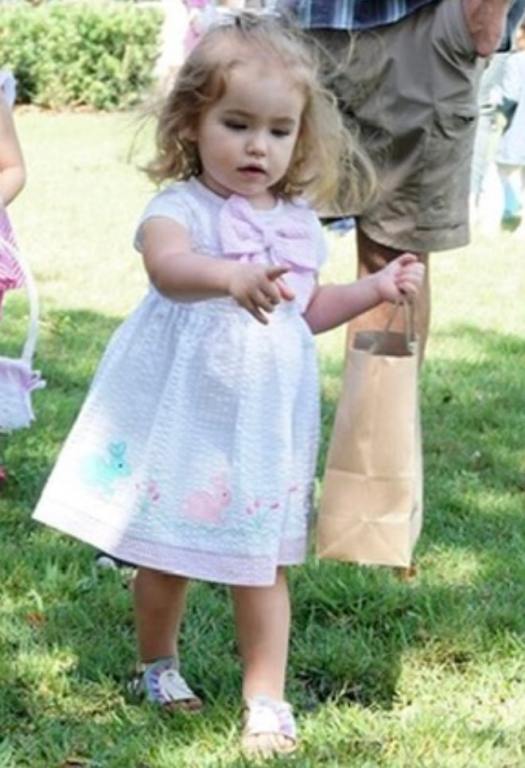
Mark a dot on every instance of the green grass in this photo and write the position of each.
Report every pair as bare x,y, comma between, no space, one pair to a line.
383,674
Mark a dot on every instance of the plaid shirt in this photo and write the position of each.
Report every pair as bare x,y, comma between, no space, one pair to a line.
365,14
350,14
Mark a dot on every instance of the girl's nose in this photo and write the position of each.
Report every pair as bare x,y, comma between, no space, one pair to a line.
256,145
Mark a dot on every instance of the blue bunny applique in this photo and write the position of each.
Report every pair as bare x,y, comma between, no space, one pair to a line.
104,471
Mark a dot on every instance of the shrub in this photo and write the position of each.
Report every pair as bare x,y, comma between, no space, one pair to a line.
99,55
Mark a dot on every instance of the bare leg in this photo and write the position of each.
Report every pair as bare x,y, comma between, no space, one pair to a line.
372,257
262,617
160,599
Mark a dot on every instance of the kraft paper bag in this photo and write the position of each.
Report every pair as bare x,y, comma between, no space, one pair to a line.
371,507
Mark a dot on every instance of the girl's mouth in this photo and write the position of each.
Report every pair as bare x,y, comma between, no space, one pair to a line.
252,170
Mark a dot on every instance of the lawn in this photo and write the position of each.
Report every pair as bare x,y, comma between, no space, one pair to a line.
383,674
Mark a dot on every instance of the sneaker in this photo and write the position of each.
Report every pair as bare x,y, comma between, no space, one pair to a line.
103,560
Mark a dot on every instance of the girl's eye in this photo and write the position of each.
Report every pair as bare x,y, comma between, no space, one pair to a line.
234,125
280,133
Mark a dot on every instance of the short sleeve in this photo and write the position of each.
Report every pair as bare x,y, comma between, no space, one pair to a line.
171,203
320,244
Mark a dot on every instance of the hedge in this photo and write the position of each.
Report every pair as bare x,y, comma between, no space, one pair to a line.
100,55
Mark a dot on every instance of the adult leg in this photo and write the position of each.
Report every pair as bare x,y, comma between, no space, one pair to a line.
373,256
160,599
508,175
262,617
520,232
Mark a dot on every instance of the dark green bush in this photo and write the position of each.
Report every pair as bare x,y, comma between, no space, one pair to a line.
100,55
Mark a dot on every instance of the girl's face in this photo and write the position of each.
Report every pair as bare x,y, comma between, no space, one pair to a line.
246,138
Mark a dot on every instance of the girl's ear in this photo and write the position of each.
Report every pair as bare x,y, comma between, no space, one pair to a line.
189,132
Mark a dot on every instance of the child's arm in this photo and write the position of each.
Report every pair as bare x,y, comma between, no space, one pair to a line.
179,273
333,305
12,169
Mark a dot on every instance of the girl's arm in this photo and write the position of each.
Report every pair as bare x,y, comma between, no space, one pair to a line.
175,270
12,169
333,305
179,273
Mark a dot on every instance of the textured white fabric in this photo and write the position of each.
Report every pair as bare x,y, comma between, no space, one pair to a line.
198,209
17,381
195,450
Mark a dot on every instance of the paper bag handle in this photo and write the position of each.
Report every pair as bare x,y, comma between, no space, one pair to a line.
410,333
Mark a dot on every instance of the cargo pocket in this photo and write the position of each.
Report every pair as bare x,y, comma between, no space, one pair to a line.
446,169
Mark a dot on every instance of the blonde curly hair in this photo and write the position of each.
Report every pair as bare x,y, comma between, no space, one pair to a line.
327,163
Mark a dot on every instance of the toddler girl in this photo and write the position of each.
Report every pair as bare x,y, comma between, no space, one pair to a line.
194,454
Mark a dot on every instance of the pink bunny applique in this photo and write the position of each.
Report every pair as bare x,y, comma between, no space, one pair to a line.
208,506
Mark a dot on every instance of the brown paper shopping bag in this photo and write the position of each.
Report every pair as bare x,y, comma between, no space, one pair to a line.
371,505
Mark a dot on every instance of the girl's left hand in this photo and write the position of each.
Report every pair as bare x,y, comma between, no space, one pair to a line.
402,278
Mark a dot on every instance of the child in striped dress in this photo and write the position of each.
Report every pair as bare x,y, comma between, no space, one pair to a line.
12,180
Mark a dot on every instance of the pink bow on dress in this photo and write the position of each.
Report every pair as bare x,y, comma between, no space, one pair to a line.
283,239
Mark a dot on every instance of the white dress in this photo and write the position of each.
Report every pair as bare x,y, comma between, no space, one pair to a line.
194,452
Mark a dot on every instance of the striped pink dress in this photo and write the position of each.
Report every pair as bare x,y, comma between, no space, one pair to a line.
11,275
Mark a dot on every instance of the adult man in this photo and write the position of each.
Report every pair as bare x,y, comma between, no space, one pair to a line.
409,83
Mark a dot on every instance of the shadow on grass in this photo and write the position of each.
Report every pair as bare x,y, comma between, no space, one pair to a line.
70,346
352,626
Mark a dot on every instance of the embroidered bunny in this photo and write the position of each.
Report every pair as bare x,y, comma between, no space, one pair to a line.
207,506
103,472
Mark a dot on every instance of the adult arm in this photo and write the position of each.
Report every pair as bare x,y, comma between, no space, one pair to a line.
486,20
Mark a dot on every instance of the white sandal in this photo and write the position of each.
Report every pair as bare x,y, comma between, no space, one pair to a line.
162,684
269,718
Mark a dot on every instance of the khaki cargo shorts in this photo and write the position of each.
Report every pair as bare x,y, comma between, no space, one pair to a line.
411,89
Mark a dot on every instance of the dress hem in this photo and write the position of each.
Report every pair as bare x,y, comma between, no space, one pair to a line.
234,570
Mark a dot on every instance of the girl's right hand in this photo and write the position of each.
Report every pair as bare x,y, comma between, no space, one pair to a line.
258,288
